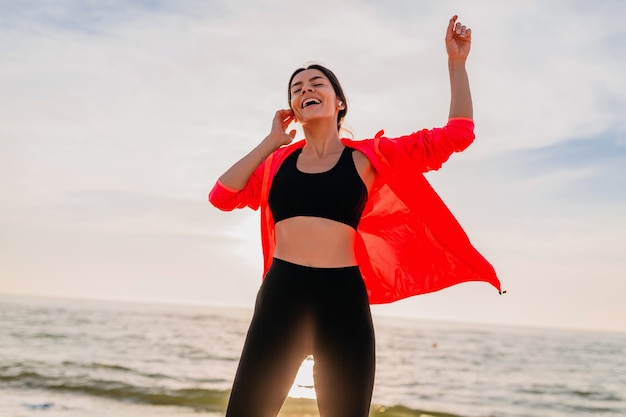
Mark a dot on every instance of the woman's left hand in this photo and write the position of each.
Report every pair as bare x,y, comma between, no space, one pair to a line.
458,39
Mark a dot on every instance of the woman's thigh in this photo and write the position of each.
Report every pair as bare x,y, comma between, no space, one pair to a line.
275,346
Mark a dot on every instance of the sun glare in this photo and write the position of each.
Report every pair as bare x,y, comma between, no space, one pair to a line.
303,386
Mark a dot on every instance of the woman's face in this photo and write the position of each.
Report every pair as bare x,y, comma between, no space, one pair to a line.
313,97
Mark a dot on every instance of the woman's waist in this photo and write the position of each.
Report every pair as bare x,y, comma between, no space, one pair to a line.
316,253
315,242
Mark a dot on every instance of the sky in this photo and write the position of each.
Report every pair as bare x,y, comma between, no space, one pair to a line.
117,117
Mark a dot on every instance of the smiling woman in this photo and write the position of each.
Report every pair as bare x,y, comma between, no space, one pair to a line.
341,222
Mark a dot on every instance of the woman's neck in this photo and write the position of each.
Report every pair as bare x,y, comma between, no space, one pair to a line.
321,139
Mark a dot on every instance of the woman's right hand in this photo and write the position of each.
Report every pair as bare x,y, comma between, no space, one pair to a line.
278,135
237,176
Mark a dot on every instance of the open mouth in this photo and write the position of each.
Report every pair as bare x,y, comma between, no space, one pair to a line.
310,102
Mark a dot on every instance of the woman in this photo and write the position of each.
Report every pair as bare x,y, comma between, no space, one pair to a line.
344,224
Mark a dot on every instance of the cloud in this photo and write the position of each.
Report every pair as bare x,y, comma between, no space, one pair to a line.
545,73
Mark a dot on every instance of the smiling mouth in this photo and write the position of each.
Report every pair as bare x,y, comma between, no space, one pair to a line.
310,102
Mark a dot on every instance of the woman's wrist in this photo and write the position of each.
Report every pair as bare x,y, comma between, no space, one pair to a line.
454,63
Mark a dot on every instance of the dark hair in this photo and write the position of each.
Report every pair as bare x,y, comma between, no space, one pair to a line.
333,81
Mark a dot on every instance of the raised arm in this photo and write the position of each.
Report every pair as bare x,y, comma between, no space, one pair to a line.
458,42
241,184
237,176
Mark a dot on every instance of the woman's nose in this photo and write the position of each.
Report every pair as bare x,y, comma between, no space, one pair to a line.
306,89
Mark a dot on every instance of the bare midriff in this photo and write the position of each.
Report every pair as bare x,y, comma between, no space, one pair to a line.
315,242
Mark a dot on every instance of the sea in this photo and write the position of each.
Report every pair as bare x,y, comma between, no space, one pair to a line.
70,358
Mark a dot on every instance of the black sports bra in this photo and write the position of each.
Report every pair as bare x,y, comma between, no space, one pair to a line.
337,194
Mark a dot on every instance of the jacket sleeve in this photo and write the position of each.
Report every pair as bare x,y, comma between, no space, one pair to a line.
428,149
227,199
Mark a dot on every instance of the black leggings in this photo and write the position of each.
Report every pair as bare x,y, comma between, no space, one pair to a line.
301,311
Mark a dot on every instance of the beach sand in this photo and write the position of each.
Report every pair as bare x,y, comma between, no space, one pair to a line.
303,407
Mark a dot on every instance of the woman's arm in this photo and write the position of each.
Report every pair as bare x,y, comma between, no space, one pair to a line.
241,184
458,42
237,176
428,149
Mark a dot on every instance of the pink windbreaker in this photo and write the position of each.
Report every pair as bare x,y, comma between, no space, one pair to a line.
408,242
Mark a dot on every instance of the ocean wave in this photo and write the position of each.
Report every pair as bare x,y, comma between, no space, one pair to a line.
566,391
199,399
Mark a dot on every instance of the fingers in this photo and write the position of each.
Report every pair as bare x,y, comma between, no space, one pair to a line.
451,23
459,30
450,29
462,30
284,114
284,117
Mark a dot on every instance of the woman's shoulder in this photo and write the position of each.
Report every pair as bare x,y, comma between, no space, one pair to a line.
369,147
